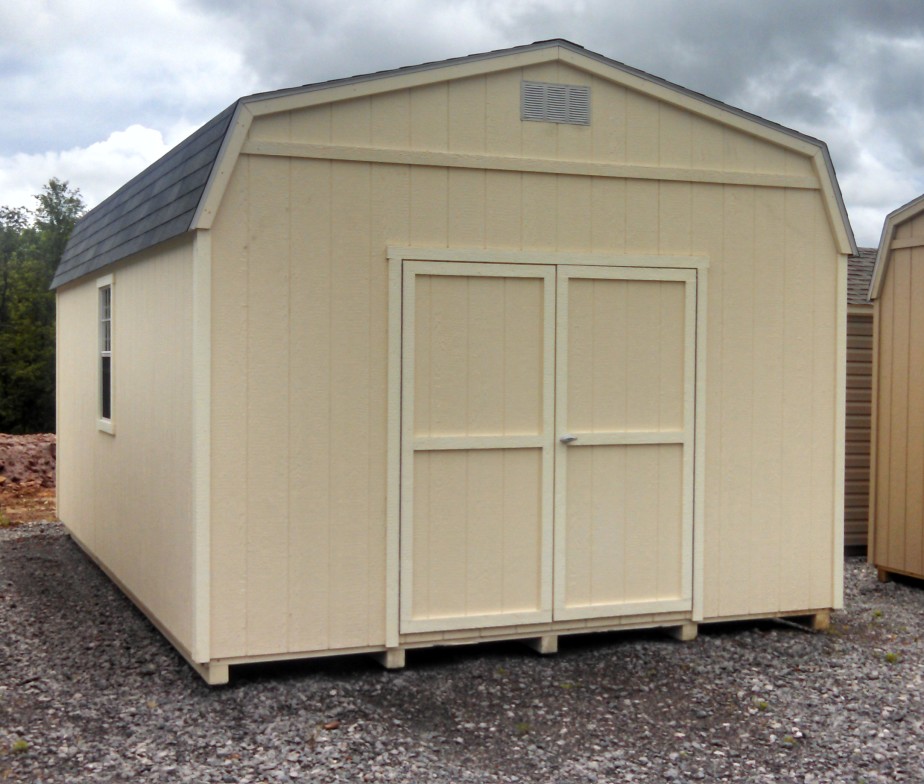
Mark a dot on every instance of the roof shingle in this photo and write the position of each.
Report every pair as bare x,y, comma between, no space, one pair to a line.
859,274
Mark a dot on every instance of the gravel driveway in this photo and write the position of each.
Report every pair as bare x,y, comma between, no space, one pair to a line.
90,692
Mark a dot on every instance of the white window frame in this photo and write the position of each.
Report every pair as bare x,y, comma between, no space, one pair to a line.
104,321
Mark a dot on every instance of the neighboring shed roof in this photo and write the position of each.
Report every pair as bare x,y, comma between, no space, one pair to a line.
859,274
892,221
166,199
157,205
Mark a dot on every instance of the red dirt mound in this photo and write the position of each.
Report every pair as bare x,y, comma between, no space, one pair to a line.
27,477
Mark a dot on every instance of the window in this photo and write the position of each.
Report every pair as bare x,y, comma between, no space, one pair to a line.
104,288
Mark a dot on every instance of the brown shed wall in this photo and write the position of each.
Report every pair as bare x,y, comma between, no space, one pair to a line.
859,409
897,503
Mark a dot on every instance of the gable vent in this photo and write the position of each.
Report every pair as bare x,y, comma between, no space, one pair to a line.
557,103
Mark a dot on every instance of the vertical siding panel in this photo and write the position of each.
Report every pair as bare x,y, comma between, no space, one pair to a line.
267,406
675,217
310,435
430,118
737,151
642,216
608,121
796,457
312,126
675,128
503,126
485,329
708,231
351,122
582,476
484,540
900,271
641,561
467,119
229,422
429,206
539,211
350,409
522,539
466,208
391,120
824,411
642,129
608,215
503,212
574,213
735,425
914,512
707,144
273,127
765,547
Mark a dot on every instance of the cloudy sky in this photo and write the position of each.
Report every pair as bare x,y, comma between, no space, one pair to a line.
95,90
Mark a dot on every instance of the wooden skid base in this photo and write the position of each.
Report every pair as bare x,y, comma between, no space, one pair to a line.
818,622
391,659
544,641
213,673
546,644
685,632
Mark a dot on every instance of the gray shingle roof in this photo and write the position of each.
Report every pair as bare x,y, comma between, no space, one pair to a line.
157,205
859,274
161,202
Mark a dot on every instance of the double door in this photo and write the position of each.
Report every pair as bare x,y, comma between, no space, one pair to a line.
546,443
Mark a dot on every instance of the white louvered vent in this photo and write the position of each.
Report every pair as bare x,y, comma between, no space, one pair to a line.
557,103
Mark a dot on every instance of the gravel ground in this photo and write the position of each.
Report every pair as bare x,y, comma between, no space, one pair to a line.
90,692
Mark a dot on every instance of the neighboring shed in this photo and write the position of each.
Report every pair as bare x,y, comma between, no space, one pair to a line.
897,491
421,358
859,398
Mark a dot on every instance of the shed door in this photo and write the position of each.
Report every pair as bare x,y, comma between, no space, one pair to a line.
624,464
547,443
477,445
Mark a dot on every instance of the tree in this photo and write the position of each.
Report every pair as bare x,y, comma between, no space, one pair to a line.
31,246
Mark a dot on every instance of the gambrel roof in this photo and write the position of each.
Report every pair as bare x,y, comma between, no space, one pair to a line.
179,192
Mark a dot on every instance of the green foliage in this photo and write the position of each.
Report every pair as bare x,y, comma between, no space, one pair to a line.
20,746
31,245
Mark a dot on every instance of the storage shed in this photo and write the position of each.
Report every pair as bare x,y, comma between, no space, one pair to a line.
896,528
859,399
509,346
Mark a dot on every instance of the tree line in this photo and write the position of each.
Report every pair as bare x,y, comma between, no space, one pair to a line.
31,245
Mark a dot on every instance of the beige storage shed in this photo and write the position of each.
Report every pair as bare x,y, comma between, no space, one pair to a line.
896,529
509,346
859,399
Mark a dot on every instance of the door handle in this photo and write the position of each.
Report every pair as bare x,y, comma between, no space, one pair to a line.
567,438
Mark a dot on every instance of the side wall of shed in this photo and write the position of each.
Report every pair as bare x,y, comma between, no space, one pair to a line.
859,413
897,504
127,497
299,317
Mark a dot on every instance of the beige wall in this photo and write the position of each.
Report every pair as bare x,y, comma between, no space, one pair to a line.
128,497
299,294
897,503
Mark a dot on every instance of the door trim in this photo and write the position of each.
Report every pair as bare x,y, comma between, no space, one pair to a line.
395,258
